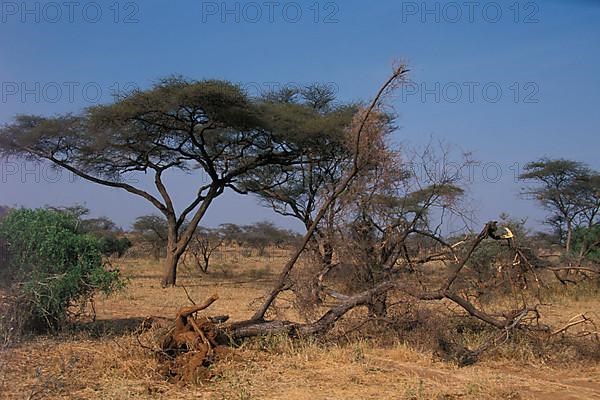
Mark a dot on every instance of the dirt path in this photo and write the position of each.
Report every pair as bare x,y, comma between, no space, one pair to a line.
545,385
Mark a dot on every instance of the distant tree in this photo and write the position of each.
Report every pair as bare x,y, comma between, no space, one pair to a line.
568,190
78,210
112,245
4,210
152,230
99,225
590,198
177,125
204,243
232,233
260,235
111,237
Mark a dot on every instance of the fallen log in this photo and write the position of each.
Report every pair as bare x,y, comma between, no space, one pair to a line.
195,341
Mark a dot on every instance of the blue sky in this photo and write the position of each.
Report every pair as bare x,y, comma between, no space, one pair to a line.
509,81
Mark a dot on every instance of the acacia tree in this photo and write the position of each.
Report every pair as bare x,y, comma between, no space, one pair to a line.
449,284
299,190
365,228
177,125
590,198
154,231
367,121
568,189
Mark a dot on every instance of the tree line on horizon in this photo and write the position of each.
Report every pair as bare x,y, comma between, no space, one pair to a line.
568,190
149,233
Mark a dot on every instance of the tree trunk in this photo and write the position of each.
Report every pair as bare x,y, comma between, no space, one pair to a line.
327,253
173,255
206,259
170,269
259,327
569,236
178,242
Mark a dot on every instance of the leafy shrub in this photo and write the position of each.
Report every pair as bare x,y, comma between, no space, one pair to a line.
586,241
113,245
112,241
51,266
485,260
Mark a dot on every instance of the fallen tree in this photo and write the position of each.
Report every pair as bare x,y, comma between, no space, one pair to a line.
194,342
236,331
197,340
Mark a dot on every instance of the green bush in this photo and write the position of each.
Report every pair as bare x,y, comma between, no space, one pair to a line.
587,241
112,245
51,266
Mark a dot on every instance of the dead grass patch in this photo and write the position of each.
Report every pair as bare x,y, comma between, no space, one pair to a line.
401,360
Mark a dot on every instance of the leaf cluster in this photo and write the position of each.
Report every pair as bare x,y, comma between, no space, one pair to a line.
52,266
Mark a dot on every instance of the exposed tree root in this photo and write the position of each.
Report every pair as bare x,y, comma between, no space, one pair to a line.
190,346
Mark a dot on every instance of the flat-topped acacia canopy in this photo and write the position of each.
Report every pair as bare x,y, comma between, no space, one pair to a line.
179,124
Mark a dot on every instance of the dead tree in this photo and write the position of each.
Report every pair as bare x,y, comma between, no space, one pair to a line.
395,282
257,325
366,121
400,268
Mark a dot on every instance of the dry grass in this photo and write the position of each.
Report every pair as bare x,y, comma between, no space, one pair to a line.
104,360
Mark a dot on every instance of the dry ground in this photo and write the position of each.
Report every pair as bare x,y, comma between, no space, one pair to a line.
104,360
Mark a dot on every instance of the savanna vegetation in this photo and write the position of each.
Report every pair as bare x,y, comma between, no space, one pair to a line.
390,291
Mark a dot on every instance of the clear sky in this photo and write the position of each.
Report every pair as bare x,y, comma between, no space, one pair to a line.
510,81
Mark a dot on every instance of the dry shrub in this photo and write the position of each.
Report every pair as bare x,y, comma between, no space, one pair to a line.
10,323
433,329
558,293
307,301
